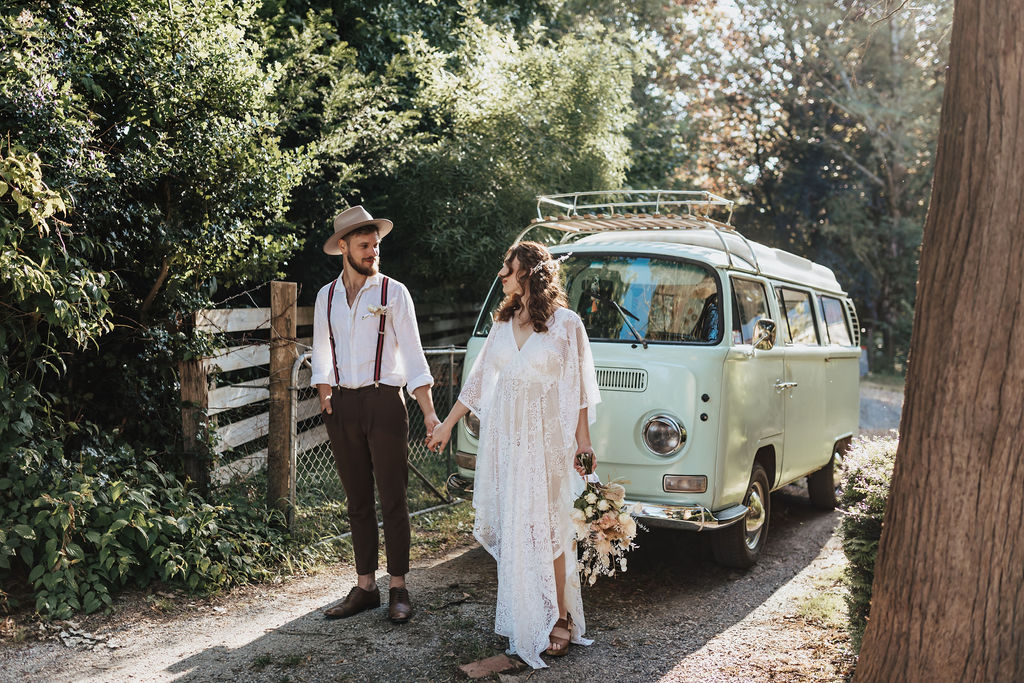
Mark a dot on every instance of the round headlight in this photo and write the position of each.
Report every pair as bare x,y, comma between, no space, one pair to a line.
472,425
663,435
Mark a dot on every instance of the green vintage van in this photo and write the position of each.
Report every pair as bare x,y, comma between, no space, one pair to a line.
727,368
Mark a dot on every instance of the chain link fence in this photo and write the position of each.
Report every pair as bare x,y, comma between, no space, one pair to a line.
318,499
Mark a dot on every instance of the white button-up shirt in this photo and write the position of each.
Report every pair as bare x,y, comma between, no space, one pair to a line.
355,338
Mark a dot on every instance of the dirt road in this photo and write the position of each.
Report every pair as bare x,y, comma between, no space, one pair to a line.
675,616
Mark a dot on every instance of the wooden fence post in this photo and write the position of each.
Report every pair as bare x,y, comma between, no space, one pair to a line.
195,400
283,298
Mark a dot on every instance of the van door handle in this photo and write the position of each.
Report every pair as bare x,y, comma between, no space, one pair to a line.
781,386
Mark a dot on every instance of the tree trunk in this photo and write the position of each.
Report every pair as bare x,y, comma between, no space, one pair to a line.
948,602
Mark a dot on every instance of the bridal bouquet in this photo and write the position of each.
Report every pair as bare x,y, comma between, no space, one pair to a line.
604,528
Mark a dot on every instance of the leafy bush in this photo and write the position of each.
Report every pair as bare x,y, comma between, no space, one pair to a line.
77,531
153,123
867,473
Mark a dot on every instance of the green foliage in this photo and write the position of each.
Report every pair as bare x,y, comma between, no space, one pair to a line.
77,533
520,118
823,117
155,122
346,122
52,300
867,473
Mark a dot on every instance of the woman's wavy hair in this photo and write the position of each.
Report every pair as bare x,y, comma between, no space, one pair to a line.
538,273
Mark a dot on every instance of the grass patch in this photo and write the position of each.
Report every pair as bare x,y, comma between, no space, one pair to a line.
441,531
262,662
825,604
162,603
467,642
293,660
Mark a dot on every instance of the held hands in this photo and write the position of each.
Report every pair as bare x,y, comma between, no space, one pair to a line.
430,423
438,438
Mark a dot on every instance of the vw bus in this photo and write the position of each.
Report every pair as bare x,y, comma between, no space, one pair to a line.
727,368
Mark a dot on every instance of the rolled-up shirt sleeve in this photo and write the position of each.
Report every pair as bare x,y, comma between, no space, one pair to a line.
321,360
414,362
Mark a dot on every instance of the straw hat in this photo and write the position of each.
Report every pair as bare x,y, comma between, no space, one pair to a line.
352,219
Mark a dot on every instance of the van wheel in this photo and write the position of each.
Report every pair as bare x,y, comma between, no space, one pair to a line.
740,545
821,486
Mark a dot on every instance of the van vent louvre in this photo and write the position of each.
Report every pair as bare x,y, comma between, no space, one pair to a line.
622,379
854,321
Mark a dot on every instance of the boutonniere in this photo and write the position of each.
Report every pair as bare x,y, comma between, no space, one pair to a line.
376,310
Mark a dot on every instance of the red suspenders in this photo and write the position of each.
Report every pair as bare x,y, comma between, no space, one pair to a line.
380,333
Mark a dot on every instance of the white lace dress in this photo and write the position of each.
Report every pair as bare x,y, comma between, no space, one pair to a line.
528,401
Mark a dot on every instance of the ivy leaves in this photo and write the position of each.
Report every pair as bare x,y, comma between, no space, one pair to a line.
98,535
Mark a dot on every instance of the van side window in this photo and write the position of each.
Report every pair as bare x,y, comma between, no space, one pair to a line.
835,321
749,305
799,328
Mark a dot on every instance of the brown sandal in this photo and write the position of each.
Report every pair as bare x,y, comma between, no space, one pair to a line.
560,644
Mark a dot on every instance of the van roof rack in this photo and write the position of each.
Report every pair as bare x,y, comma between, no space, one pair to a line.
584,213
611,203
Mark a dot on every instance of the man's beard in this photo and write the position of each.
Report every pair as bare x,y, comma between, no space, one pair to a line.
362,270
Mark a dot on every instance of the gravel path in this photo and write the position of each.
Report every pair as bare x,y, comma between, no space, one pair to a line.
675,616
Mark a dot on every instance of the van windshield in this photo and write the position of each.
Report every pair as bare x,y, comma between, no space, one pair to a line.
662,300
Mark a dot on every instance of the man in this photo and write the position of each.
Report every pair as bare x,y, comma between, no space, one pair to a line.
366,347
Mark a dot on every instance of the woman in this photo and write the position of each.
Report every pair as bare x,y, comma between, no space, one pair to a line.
534,389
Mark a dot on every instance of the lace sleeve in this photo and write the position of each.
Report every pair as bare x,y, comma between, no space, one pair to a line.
579,346
577,387
479,384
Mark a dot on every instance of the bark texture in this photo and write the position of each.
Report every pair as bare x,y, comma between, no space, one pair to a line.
948,599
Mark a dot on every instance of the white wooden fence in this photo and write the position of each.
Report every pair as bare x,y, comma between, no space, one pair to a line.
235,392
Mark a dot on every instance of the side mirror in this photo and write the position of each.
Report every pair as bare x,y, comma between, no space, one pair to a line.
764,334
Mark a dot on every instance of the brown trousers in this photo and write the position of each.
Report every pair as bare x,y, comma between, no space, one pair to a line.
369,432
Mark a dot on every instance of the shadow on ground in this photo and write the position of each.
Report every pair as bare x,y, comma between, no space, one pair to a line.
673,600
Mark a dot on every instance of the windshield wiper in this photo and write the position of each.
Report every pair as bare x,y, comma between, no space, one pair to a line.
622,314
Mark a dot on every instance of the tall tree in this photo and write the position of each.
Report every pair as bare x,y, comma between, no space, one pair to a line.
515,118
948,599
155,123
822,118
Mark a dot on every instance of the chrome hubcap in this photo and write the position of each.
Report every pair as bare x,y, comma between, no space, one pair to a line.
755,515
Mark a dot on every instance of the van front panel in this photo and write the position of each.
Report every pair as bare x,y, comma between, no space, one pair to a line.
677,380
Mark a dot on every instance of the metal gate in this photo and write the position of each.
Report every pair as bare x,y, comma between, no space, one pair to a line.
317,496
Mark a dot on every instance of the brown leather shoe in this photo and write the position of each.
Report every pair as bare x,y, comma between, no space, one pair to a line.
399,605
355,602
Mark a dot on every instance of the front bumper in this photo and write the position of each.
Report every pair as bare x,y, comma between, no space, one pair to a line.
687,517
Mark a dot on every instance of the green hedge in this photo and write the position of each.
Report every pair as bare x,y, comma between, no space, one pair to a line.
77,531
867,472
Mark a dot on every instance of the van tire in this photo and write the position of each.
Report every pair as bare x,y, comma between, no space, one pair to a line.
821,486
736,546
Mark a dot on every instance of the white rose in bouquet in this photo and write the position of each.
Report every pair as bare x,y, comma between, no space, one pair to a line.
591,497
603,504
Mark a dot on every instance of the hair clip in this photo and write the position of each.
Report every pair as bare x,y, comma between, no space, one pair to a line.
550,263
